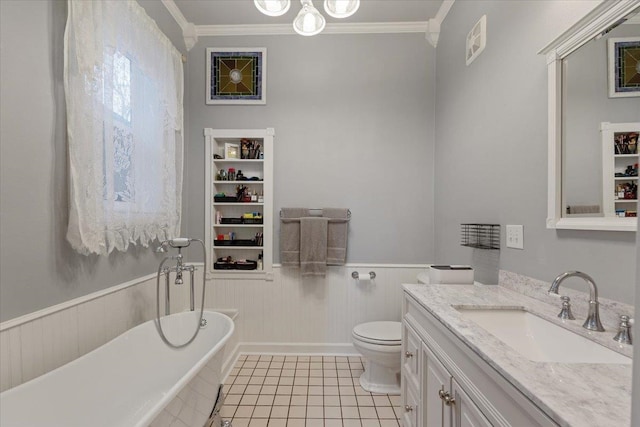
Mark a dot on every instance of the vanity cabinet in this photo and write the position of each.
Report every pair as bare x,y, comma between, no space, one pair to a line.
248,221
445,402
619,168
454,385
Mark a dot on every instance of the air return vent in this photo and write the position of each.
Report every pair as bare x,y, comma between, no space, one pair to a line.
476,39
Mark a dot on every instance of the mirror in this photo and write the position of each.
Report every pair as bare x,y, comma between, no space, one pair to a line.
583,173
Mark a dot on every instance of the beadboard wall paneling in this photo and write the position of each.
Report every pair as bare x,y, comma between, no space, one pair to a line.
289,314
296,310
45,340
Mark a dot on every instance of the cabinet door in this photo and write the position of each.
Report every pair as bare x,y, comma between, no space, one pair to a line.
411,345
465,412
436,380
411,415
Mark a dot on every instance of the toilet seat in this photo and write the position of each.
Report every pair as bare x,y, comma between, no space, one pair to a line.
379,333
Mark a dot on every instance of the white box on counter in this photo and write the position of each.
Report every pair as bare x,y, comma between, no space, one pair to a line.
451,274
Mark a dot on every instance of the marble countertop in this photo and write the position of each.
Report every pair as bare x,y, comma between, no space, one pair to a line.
571,394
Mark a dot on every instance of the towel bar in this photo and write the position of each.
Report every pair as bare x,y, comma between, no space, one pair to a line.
318,212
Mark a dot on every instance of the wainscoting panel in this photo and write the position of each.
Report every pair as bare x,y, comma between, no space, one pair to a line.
293,309
37,343
289,314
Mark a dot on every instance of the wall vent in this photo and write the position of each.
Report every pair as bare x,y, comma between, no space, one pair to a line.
476,40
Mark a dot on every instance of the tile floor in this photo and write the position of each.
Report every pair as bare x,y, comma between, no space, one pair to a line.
304,391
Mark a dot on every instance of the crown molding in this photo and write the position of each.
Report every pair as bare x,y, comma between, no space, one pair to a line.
189,33
331,28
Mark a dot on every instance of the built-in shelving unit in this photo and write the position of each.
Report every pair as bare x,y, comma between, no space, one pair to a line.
620,168
239,239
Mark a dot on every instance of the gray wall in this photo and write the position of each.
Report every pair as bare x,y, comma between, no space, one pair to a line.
587,105
491,150
38,268
354,125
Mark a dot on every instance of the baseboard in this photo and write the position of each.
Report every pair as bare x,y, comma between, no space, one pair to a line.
290,349
299,349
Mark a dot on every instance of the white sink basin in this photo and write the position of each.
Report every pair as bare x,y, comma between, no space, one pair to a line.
540,340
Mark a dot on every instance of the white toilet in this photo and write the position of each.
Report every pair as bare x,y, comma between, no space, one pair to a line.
380,343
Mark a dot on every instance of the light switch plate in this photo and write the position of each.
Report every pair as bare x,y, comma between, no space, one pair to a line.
515,236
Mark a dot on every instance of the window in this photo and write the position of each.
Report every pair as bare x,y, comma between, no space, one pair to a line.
123,87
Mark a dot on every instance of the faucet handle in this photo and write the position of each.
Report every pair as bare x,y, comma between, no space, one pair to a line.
565,313
624,332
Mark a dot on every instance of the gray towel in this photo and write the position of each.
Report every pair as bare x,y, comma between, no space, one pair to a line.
313,246
336,235
290,235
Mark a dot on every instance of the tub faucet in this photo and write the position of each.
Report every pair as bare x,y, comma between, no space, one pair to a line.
592,322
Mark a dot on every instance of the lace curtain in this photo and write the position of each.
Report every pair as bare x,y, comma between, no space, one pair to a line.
124,90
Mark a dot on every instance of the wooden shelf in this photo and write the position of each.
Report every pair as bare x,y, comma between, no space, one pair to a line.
238,160
237,204
239,182
238,225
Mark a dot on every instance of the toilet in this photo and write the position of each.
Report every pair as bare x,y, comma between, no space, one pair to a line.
380,344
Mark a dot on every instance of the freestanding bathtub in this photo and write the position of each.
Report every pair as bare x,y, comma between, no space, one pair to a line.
133,380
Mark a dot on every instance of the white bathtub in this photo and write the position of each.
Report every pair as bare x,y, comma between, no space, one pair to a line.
133,380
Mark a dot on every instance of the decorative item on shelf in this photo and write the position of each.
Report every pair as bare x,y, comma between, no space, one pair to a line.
228,263
242,193
231,151
230,221
223,198
236,76
480,236
250,149
626,142
231,174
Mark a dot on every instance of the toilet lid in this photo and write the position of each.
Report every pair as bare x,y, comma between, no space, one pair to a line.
387,333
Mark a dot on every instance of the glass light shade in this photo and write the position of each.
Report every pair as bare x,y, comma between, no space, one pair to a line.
273,7
341,8
309,21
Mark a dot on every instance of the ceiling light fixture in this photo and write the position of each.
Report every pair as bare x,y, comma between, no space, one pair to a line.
273,7
341,8
309,21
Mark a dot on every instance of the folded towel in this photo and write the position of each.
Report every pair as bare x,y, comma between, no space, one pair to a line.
336,235
313,246
290,235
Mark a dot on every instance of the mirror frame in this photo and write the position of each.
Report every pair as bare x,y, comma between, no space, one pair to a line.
595,22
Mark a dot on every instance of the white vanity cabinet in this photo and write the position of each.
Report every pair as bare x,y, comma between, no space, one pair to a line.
455,387
445,403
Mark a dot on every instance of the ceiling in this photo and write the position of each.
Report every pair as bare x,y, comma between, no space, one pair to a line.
243,12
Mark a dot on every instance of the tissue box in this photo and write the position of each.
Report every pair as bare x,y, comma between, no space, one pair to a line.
451,274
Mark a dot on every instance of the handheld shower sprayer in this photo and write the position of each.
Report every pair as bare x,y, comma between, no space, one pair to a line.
178,269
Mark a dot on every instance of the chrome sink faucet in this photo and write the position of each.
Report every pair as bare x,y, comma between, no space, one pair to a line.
592,322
